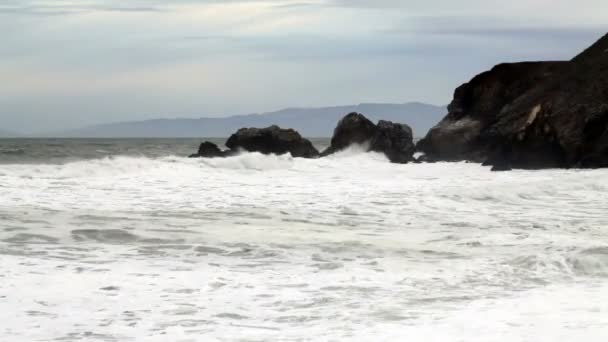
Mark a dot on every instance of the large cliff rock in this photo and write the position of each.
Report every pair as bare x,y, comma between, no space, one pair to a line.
477,106
393,139
530,115
272,140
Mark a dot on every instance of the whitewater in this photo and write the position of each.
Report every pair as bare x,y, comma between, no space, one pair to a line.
158,247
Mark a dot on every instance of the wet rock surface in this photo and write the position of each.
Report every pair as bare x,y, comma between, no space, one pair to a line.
209,150
272,140
530,115
354,128
393,139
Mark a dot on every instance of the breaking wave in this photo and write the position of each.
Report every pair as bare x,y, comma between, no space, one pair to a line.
260,245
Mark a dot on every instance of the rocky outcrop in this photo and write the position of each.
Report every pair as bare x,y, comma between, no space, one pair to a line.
529,115
393,139
209,150
477,106
272,140
354,128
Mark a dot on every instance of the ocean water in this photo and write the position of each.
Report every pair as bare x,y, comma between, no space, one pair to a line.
127,240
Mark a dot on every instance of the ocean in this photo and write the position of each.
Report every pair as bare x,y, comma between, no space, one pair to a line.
128,240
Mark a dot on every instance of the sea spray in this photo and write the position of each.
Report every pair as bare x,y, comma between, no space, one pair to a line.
348,247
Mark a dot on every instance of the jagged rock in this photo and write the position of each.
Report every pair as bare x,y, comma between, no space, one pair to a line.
530,115
208,150
463,133
354,128
272,140
393,139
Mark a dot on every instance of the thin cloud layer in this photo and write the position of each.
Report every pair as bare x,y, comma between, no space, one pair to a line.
72,63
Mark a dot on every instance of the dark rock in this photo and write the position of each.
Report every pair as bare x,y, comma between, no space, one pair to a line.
499,168
595,142
393,139
272,140
425,159
208,150
464,133
501,165
530,115
354,128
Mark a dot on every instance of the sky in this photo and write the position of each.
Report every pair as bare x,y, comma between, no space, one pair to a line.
67,64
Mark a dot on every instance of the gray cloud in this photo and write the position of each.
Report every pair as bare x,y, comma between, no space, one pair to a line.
63,9
452,25
90,62
34,7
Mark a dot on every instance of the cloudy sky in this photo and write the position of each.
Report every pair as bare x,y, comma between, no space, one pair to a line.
65,64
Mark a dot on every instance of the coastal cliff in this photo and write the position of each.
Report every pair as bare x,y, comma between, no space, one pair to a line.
529,115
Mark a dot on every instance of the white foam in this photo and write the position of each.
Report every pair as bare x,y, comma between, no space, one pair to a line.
348,247
251,161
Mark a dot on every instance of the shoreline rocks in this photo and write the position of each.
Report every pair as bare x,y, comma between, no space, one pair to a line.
269,140
208,149
393,139
352,129
272,140
465,133
531,115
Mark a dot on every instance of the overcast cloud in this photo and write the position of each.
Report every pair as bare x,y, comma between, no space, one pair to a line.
65,64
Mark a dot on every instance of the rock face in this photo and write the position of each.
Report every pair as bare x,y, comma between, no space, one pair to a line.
354,128
392,139
273,140
208,150
529,115
395,141
477,106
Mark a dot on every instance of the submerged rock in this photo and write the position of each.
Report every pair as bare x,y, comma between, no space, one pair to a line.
272,140
393,139
530,115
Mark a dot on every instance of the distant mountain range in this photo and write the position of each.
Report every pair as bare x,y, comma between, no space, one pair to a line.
310,122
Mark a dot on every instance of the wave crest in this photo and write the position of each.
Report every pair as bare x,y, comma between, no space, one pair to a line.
591,262
251,161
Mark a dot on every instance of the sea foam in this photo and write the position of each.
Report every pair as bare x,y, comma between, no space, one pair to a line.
264,247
